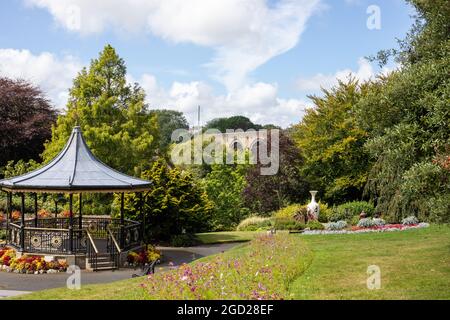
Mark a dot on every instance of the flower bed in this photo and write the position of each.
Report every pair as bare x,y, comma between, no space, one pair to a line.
381,228
260,271
29,264
44,213
145,255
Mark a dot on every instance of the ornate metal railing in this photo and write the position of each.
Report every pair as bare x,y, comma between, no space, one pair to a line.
98,226
15,234
113,248
53,235
91,251
51,222
131,234
80,240
46,240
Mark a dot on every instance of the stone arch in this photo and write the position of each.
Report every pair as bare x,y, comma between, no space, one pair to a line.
236,145
254,149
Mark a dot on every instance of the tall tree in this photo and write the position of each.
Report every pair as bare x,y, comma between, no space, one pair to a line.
266,193
26,119
332,143
113,115
407,116
232,123
175,204
168,122
225,185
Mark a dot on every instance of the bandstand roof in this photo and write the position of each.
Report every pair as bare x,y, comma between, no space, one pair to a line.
75,170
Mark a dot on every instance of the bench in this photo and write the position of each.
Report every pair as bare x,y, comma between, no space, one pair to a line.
147,270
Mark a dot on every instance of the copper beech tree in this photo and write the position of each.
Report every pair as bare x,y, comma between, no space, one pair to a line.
26,118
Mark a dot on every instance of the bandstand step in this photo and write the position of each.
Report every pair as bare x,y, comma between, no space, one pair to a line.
104,268
103,263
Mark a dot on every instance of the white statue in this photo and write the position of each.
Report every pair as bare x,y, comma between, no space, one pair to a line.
313,207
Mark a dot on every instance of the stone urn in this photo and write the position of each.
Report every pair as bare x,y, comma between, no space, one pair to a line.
313,207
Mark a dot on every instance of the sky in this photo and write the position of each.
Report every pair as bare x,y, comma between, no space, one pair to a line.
257,58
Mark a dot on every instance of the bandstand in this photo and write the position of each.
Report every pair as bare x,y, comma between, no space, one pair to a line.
93,242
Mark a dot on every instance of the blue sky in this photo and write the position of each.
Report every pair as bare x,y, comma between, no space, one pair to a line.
257,58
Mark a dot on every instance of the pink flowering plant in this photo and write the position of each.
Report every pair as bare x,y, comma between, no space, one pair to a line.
261,271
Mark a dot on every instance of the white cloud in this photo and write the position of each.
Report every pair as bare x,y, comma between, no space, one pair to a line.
244,34
54,75
353,2
315,83
259,102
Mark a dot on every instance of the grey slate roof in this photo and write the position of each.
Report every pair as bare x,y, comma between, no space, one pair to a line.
75,169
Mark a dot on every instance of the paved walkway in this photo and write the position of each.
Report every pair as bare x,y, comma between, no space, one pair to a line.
10,283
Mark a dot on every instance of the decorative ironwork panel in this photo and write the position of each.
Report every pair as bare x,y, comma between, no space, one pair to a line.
46,241
132,235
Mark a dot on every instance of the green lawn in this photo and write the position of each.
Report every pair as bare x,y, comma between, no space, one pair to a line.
223,237
414,264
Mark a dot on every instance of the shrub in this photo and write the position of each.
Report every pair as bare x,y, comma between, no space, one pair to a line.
410,221
298,212
325,213
302,215
354,221
44,213
183,240
255,224
64,214
366,223
378,222
15,215
2,235
369,222
348,210
339,225
289,211
177,204
314,225
288,224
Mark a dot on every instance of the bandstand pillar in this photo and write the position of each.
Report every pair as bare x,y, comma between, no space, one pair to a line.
71,223
122,220
35,210
22,225
80,214
56,207
8,214
141,209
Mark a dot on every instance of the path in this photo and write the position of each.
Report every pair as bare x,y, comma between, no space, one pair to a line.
12,282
